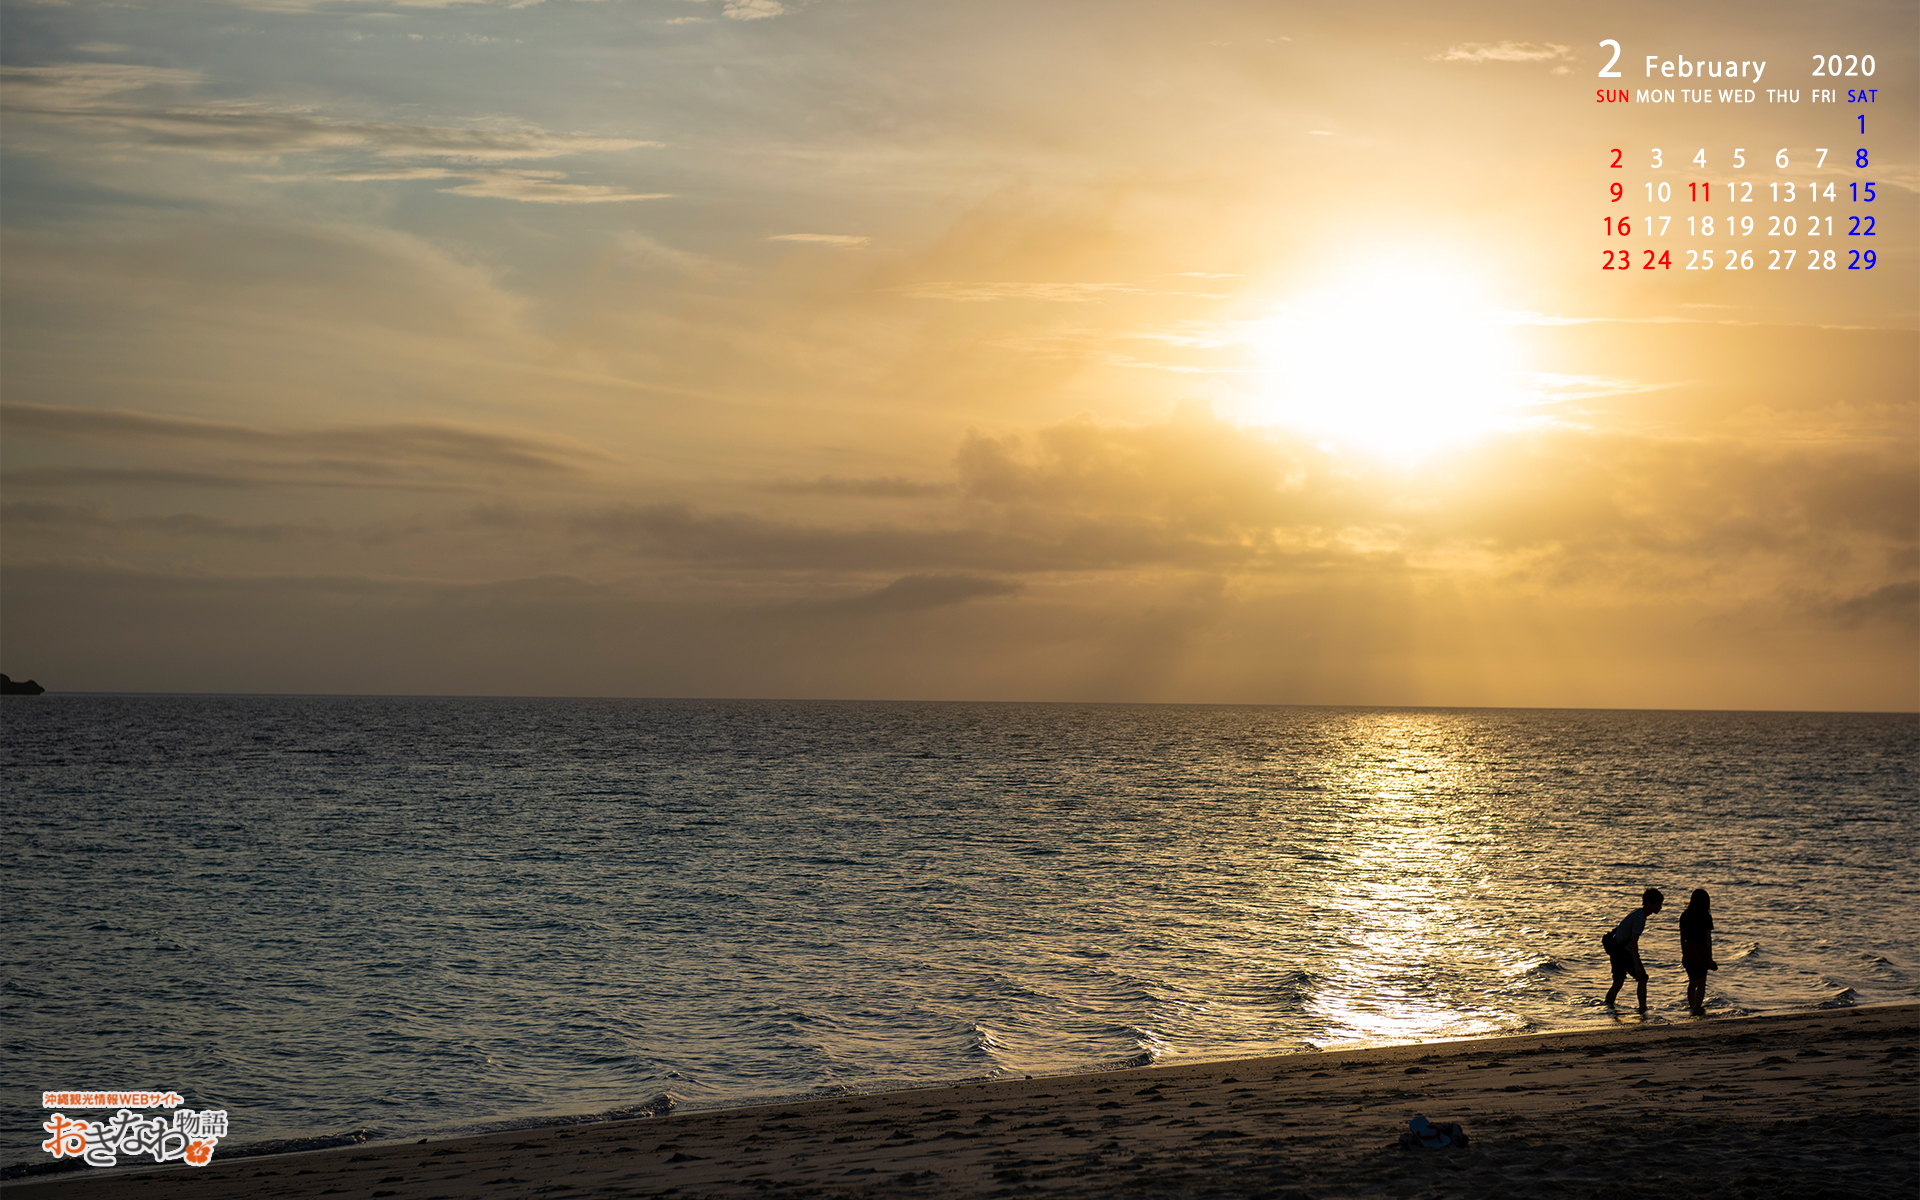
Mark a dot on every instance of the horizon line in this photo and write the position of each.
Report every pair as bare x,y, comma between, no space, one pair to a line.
1901,712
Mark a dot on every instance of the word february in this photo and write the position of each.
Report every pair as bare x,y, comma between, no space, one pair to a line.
1686,68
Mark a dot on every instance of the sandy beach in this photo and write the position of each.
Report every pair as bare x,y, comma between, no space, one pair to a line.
1823,1104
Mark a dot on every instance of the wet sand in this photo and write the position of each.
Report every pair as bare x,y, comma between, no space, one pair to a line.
1822,1104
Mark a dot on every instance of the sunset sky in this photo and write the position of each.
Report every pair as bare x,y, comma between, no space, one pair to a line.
1211,352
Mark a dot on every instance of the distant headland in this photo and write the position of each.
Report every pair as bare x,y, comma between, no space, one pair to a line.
27,688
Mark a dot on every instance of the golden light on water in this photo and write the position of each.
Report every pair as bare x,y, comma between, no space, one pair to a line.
1406,934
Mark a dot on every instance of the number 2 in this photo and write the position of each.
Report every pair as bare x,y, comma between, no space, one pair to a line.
1607,72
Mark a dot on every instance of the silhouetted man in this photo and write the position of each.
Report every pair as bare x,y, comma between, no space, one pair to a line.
1623,946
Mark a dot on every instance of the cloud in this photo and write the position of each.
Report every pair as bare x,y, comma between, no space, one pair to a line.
677,533
915,593
1195,492
532,635
542,187
181,525
1195,472
388,175
539,187
79,627
279,308
1614,510
77,87
346,456
1481,52
424,439
847,241
753,10
1894,604
889,488
97,95
348,475
1058,293
651,252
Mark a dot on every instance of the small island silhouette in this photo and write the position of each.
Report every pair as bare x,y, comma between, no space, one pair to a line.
27,688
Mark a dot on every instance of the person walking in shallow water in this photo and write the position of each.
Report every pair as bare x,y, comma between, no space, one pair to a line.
1696,949
1623,946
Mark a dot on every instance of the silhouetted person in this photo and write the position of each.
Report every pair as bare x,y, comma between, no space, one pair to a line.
1623,946
1696,949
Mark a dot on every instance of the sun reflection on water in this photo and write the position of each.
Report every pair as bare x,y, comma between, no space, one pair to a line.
1397,931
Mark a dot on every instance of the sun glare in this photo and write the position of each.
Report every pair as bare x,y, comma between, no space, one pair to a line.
1397,365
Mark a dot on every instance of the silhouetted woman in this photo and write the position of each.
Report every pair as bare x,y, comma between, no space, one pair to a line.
1696,949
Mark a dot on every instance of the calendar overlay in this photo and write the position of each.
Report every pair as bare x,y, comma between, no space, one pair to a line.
1805,198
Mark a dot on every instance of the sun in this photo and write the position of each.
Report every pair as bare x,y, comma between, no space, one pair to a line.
1393,363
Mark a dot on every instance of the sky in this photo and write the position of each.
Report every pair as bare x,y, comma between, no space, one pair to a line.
1208,352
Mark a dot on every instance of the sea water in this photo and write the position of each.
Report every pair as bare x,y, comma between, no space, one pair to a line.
387,917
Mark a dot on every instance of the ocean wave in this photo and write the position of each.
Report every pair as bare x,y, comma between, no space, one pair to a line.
659,1106
1538,969
984,1044
1143,1058
1844,998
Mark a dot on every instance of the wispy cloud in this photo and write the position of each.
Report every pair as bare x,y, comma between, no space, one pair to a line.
543,187
1484,52
302,475
888,488
843,240
106,97
80,86
1058,293
183,525
344,452
128,105
540,187
754,10
914,593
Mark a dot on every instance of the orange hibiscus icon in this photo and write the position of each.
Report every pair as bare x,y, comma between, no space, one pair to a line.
199,1153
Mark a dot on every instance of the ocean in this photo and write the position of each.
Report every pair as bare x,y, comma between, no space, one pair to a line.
384,918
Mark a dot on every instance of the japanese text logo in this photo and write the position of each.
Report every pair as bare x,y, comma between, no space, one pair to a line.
182,1135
